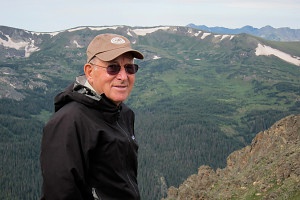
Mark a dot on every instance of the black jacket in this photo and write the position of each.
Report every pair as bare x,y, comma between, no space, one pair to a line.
88,148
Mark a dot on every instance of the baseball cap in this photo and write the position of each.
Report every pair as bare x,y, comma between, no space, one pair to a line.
107,47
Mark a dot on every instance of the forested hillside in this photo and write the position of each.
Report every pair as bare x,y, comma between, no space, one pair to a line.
198,97
268,168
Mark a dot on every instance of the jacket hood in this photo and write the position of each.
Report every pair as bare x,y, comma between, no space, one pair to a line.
79,92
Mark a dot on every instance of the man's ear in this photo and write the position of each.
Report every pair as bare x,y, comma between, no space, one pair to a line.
88,71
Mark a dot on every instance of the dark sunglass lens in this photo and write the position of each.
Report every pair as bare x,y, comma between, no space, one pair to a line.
131,68
113,69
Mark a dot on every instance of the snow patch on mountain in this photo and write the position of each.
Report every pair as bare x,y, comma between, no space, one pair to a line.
103,28
226,36
77,45
45,33
29,46
263,50
144,31
205,35
198,33
222,37
75,29
11,44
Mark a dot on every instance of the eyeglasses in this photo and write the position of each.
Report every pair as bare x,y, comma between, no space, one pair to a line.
114,69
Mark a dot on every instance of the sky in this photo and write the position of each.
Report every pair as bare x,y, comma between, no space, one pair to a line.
57,15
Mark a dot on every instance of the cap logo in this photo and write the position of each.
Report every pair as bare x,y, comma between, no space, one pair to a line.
117,40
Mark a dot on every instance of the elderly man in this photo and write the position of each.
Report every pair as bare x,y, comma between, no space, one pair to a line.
88,148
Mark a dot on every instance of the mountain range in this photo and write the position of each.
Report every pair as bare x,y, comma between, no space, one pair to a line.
198,97
266,32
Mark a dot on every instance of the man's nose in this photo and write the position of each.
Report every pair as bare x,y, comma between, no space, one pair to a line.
122,75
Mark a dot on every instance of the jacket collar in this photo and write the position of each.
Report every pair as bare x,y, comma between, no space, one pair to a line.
80,92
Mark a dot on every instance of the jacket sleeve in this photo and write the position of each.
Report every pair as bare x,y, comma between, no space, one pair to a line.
63,161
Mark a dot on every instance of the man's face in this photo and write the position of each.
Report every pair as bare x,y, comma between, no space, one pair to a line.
116,87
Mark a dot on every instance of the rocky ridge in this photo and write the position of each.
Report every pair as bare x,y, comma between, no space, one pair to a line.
269,168
267,32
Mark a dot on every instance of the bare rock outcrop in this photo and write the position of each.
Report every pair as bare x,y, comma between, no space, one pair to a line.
269,168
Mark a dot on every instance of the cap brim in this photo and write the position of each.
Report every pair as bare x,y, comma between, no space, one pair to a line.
110,55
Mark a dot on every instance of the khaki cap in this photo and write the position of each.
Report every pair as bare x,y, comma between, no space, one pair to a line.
107,47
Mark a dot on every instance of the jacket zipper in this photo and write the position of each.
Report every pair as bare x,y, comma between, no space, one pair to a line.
95,195
128,137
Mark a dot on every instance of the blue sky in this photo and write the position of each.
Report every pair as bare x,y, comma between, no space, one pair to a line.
56,15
